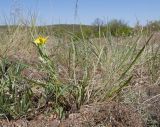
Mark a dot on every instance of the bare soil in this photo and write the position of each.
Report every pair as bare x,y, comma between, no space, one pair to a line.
106,114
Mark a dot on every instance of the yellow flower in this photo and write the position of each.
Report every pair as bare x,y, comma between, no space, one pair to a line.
40,40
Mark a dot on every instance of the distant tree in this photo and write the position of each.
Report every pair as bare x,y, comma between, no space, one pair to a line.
98,22
119,28
153,26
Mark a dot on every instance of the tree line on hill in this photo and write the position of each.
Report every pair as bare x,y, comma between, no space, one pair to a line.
99,28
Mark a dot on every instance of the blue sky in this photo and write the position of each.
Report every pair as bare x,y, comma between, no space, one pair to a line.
62,11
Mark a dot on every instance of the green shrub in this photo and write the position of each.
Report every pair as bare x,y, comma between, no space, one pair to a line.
153,26
119,28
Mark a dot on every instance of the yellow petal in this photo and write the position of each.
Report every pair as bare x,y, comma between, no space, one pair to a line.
40,40
37,41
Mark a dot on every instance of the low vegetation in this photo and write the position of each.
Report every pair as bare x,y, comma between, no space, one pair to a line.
54,70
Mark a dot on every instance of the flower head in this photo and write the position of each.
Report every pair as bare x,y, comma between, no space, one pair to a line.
40,40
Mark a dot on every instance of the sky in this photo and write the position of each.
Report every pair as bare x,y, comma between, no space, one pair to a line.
63,11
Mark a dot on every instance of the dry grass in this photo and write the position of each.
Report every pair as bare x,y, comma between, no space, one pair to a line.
95,70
